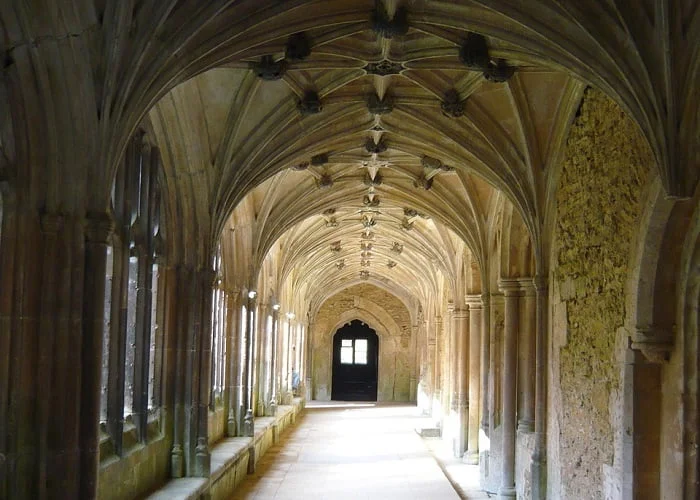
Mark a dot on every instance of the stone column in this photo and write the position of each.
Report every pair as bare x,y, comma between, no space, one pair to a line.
511,290
233,344
274,384
539,456
475,323
98,230
485,356
526,361
437,365
460,359
247,364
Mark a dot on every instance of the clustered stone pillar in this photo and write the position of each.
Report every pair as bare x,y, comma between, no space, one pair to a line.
475,323
98,231
272,408
511,290
460,360
539,463
247,362
485,357
526,363
233,347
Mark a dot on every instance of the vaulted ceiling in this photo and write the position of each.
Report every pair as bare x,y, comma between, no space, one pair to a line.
305,121
370,154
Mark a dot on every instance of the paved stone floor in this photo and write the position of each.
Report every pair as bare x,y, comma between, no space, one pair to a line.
351,450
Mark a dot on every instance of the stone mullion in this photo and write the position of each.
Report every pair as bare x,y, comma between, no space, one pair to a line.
98,232
144,294
511,289
141,354
119,307
233,382
163,348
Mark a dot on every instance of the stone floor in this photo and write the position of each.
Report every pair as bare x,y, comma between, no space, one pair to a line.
355,450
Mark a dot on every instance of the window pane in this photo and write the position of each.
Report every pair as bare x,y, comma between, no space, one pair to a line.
346,355
347,342
130,336
361,345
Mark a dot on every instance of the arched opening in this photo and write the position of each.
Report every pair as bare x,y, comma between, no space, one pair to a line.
355,363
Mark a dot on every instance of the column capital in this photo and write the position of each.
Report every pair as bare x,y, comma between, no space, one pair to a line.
460,313
474,301
510,286
51,223
654,342
450,307
98,227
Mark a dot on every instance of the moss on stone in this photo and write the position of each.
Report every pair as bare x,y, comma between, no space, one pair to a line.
598,202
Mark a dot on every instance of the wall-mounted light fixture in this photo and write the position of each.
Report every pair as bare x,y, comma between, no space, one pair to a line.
275,307
291,315
252,294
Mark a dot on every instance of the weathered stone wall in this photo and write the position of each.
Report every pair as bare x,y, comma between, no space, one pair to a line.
598,208
388,316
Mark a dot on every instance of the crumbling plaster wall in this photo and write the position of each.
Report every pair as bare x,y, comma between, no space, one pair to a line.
598,208
388,316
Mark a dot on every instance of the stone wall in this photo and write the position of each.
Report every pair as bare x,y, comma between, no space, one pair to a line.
598,208
388,316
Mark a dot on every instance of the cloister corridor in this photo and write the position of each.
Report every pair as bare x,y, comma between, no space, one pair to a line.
359,450
221,218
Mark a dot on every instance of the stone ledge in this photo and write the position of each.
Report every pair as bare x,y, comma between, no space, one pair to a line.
229,459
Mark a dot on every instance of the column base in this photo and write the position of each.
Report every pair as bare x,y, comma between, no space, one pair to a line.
526,426
202,460
249,424
471,457
506,493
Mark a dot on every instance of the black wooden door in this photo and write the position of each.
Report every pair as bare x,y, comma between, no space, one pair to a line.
355,357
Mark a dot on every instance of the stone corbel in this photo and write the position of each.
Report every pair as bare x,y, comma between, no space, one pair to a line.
655,343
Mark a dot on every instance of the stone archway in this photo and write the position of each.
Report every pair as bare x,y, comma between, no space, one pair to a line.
355,362
397,357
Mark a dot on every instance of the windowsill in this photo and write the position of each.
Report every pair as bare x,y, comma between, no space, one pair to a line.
130,442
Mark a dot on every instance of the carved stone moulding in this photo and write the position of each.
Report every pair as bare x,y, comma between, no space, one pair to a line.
310,104
370,202
319,159
364,274
656,344
391,264
397,247
499,72
373,181
335,246
386,27
474,53
423,182
378,106
375,147
298,47
325,181
384,68
452,105
268,69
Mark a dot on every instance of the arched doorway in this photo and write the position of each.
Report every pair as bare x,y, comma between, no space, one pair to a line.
355,356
